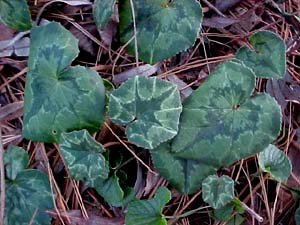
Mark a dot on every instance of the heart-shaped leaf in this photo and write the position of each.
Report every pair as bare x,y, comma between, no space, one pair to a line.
27,197
217,191
15,14
150,108
275,162
163,27
221,123
268,57
83,156
15,160
59,98
148,212
103,9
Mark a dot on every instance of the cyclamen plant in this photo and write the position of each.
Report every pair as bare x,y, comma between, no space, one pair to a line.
223,121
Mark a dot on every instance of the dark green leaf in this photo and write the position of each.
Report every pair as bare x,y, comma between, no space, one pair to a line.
224,213
83,156
275,162
217,191
148,212
184,175
110,190
59,98
164,28
27,198
15,160
103,9
268,57
150,108
220,124
15,14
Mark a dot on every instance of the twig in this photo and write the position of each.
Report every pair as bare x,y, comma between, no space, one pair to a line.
135,34
132,152
2,181
213,8
252,212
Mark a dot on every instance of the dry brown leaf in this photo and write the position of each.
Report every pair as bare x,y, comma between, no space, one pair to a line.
11,111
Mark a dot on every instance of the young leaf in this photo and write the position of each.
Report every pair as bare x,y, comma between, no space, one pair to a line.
275,162
185,175
59,98
268,57
221,123
148,212
83,156
27,198
164,28
15,14
217,191
103,9
15,160
110,190
150,108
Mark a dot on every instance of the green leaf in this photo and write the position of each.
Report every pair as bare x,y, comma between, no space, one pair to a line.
163,27
27,198
15,14
110,190
220,124
59,98
268,57
150,108
297,216
15,160
223,213
185,175
148,212
217,191
103,9
275,162
83,156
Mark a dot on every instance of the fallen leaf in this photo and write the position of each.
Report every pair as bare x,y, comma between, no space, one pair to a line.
225,5
144,70
218,22
11,111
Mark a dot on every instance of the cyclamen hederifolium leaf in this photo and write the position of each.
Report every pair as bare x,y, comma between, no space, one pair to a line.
15,160
103,9
217,191
150,108
268,57
148,212
220,124
83,156
15,14
163,27
59,98
26,199
275,162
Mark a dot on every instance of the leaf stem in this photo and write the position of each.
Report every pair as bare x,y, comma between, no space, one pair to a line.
188,213
2,180
135,34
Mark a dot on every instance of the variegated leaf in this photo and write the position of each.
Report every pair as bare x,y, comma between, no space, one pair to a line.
59,98
15,160
15,14
150,108
26,199
217,191
163,27
103,9
268,57
83,156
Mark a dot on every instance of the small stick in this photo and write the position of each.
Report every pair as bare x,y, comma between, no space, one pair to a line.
252,212
135,34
